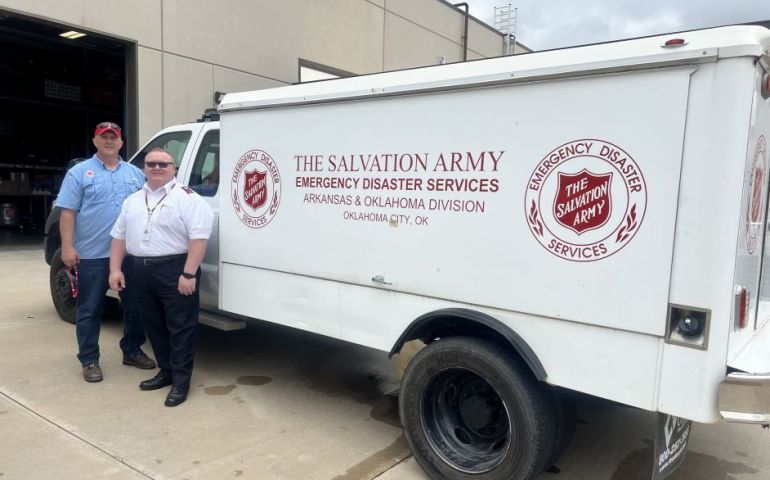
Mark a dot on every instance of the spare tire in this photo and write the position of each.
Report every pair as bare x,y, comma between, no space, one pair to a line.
61,289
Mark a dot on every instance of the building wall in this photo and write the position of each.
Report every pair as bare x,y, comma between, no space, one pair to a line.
189,49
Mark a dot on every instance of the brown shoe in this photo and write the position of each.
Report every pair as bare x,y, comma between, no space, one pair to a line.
139,360
92,373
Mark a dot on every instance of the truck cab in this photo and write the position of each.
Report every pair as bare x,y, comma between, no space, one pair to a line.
195,149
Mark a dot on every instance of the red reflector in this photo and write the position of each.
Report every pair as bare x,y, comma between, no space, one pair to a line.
674,42
766,85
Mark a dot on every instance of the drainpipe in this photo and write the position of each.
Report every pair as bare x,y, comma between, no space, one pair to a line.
465,34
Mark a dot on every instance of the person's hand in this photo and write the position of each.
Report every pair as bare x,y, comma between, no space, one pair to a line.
186,286
69,256
117,281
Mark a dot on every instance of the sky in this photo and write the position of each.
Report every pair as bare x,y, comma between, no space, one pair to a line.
544,24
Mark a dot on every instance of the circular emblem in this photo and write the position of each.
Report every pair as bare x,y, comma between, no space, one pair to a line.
585,200
256,188
756,188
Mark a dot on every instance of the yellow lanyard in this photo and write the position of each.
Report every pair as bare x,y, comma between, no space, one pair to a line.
150,211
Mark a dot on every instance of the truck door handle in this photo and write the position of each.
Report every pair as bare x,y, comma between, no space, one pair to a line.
381,280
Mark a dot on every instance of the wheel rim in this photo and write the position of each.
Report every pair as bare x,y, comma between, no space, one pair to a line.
466,421
62,289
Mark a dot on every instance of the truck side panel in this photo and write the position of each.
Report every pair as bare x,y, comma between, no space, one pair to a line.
320,306
600,156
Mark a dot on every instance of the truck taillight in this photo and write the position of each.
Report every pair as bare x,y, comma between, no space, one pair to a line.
741,307
765,85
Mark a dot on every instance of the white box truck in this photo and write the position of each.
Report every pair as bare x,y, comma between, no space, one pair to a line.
591,219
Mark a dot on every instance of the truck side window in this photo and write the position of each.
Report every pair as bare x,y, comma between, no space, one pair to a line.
175,143
204,178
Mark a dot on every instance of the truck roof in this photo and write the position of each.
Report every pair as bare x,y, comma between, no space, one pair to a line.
697,46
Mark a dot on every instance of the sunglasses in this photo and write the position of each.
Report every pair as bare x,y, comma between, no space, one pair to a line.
157,164
108,125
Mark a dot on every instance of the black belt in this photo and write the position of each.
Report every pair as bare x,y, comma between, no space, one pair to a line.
147,261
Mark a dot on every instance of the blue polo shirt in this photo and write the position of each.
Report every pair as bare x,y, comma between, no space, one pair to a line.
96,194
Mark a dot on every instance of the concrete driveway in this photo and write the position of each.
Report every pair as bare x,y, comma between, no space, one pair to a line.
266,403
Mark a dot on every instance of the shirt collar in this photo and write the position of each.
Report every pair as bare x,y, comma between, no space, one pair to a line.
101,162
167,187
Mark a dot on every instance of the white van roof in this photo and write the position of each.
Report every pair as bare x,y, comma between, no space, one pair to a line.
696,46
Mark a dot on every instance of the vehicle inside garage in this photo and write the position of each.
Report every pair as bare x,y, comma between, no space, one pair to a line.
54,87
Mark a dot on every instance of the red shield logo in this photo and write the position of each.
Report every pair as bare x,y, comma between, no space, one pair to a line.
255,189
583,200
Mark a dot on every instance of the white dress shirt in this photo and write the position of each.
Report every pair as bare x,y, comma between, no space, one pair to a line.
164,221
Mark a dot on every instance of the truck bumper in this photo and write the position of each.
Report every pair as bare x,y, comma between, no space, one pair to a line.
745,398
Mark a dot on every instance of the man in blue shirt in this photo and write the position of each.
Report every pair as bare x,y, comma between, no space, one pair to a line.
90,199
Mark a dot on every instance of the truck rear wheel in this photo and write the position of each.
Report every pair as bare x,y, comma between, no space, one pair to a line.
472,409
566,415
61,289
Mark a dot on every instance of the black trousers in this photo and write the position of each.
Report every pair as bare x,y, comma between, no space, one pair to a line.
170,318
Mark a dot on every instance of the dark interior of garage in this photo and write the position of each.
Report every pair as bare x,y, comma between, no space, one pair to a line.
53,90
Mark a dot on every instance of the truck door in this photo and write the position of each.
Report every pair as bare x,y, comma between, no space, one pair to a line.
752,271
204,179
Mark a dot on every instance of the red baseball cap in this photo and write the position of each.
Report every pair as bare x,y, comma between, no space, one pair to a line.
107,127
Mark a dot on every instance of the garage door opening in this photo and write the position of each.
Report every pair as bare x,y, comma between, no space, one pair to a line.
53,90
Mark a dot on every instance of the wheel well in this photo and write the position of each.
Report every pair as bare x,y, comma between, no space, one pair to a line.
454,322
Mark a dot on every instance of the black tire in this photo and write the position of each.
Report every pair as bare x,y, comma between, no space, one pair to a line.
61,290
566,420
471,409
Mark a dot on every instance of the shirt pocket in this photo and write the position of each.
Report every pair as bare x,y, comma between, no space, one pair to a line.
124,188
94,191
167,216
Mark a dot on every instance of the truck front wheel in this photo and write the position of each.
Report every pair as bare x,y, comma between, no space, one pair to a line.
472,409
61,289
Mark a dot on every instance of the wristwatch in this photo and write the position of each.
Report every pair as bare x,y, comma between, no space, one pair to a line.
188,276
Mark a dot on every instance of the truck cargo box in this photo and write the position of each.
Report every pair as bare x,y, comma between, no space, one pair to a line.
601,209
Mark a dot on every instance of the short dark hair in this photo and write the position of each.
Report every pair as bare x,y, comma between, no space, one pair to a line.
162,150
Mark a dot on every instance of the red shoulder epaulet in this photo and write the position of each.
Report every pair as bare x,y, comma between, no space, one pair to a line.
188,189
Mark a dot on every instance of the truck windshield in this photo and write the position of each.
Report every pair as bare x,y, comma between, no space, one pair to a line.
175,143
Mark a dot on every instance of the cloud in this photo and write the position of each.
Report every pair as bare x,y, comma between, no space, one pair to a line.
554,28
660,22
558,23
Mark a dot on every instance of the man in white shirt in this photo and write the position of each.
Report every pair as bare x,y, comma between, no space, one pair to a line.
165,227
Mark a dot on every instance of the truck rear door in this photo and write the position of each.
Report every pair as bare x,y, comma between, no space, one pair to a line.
749,348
